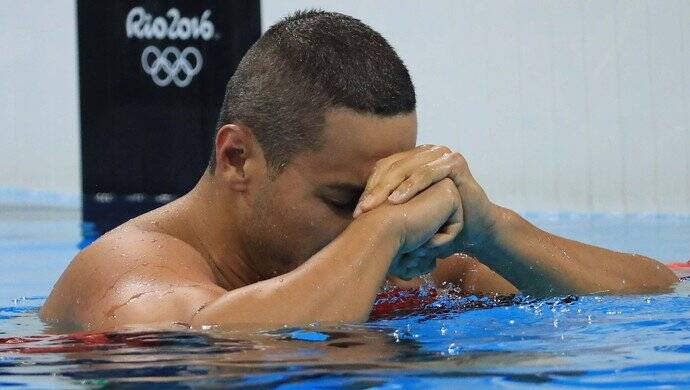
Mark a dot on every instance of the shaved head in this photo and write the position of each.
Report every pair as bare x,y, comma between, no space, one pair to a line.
301,67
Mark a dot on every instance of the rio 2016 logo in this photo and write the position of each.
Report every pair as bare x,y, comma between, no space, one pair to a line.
171,64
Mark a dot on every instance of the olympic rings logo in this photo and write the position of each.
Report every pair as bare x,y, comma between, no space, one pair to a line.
171,65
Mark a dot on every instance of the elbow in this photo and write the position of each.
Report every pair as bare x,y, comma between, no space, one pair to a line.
660,282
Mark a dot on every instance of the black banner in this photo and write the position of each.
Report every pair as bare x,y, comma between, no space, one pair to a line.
152,79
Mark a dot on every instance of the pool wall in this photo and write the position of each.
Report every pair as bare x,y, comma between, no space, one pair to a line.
559,106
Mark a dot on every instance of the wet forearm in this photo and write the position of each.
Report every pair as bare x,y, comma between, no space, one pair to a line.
339,283
542,264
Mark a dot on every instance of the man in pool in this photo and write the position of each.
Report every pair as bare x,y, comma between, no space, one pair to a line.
314,196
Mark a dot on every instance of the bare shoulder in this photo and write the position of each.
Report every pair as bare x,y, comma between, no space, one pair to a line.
121,277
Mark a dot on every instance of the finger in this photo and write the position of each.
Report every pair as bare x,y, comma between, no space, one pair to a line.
423,177
417,265
460,171
427,265
450,230
383,165
394,268
395,174
380,169
444,237
426,262
401,266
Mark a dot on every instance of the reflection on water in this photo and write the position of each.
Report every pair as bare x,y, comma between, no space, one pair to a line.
591,341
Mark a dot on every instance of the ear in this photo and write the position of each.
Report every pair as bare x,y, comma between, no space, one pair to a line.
236,152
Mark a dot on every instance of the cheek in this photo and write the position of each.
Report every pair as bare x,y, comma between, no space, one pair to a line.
329,225
296,224
316,225
312,220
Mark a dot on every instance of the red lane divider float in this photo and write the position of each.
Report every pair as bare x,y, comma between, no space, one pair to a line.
394,301
401,301
681,269
74,342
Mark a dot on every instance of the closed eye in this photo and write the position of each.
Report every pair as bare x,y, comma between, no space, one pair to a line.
340,206
342,198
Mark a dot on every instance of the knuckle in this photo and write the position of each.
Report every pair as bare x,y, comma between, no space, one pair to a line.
386,161
427,169
458,159
444,149
395,165
439,149
457,156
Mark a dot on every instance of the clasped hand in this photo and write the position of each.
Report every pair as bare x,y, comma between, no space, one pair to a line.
400,177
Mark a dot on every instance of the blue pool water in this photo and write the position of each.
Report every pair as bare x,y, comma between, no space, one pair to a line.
635,341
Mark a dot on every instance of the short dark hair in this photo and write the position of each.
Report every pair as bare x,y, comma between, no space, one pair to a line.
303,65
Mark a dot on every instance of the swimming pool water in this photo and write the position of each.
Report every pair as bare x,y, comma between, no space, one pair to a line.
590,341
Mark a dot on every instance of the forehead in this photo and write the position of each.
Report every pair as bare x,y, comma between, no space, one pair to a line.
353,143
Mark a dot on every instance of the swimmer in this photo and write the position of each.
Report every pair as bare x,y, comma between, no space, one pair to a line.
314,196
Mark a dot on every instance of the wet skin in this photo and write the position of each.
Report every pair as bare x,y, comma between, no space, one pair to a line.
250,249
